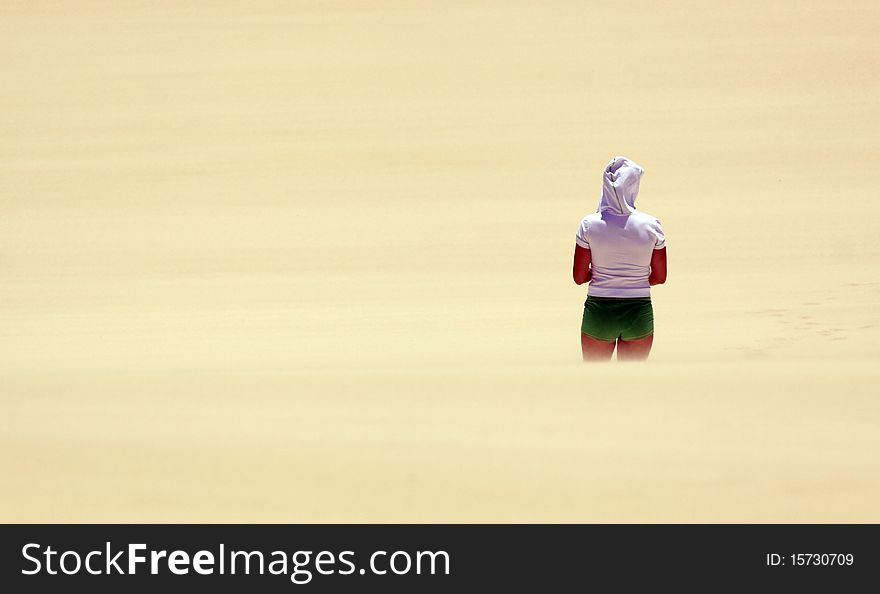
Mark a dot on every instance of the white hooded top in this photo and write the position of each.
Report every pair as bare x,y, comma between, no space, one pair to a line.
620,237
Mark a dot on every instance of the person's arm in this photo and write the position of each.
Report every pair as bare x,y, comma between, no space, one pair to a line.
658,267
581,271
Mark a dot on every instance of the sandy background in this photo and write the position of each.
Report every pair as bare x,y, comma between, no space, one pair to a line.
311,261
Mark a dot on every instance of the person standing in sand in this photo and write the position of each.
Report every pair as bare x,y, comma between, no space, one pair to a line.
621,252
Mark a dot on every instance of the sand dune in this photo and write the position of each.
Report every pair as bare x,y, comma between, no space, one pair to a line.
280,262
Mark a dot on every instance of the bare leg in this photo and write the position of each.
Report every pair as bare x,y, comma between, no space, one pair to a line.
634,350
596,350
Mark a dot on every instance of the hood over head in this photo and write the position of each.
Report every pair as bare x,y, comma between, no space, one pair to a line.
620,186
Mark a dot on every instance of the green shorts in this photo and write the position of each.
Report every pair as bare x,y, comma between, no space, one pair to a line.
610,318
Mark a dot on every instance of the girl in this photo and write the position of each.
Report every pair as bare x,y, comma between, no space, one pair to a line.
621,252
